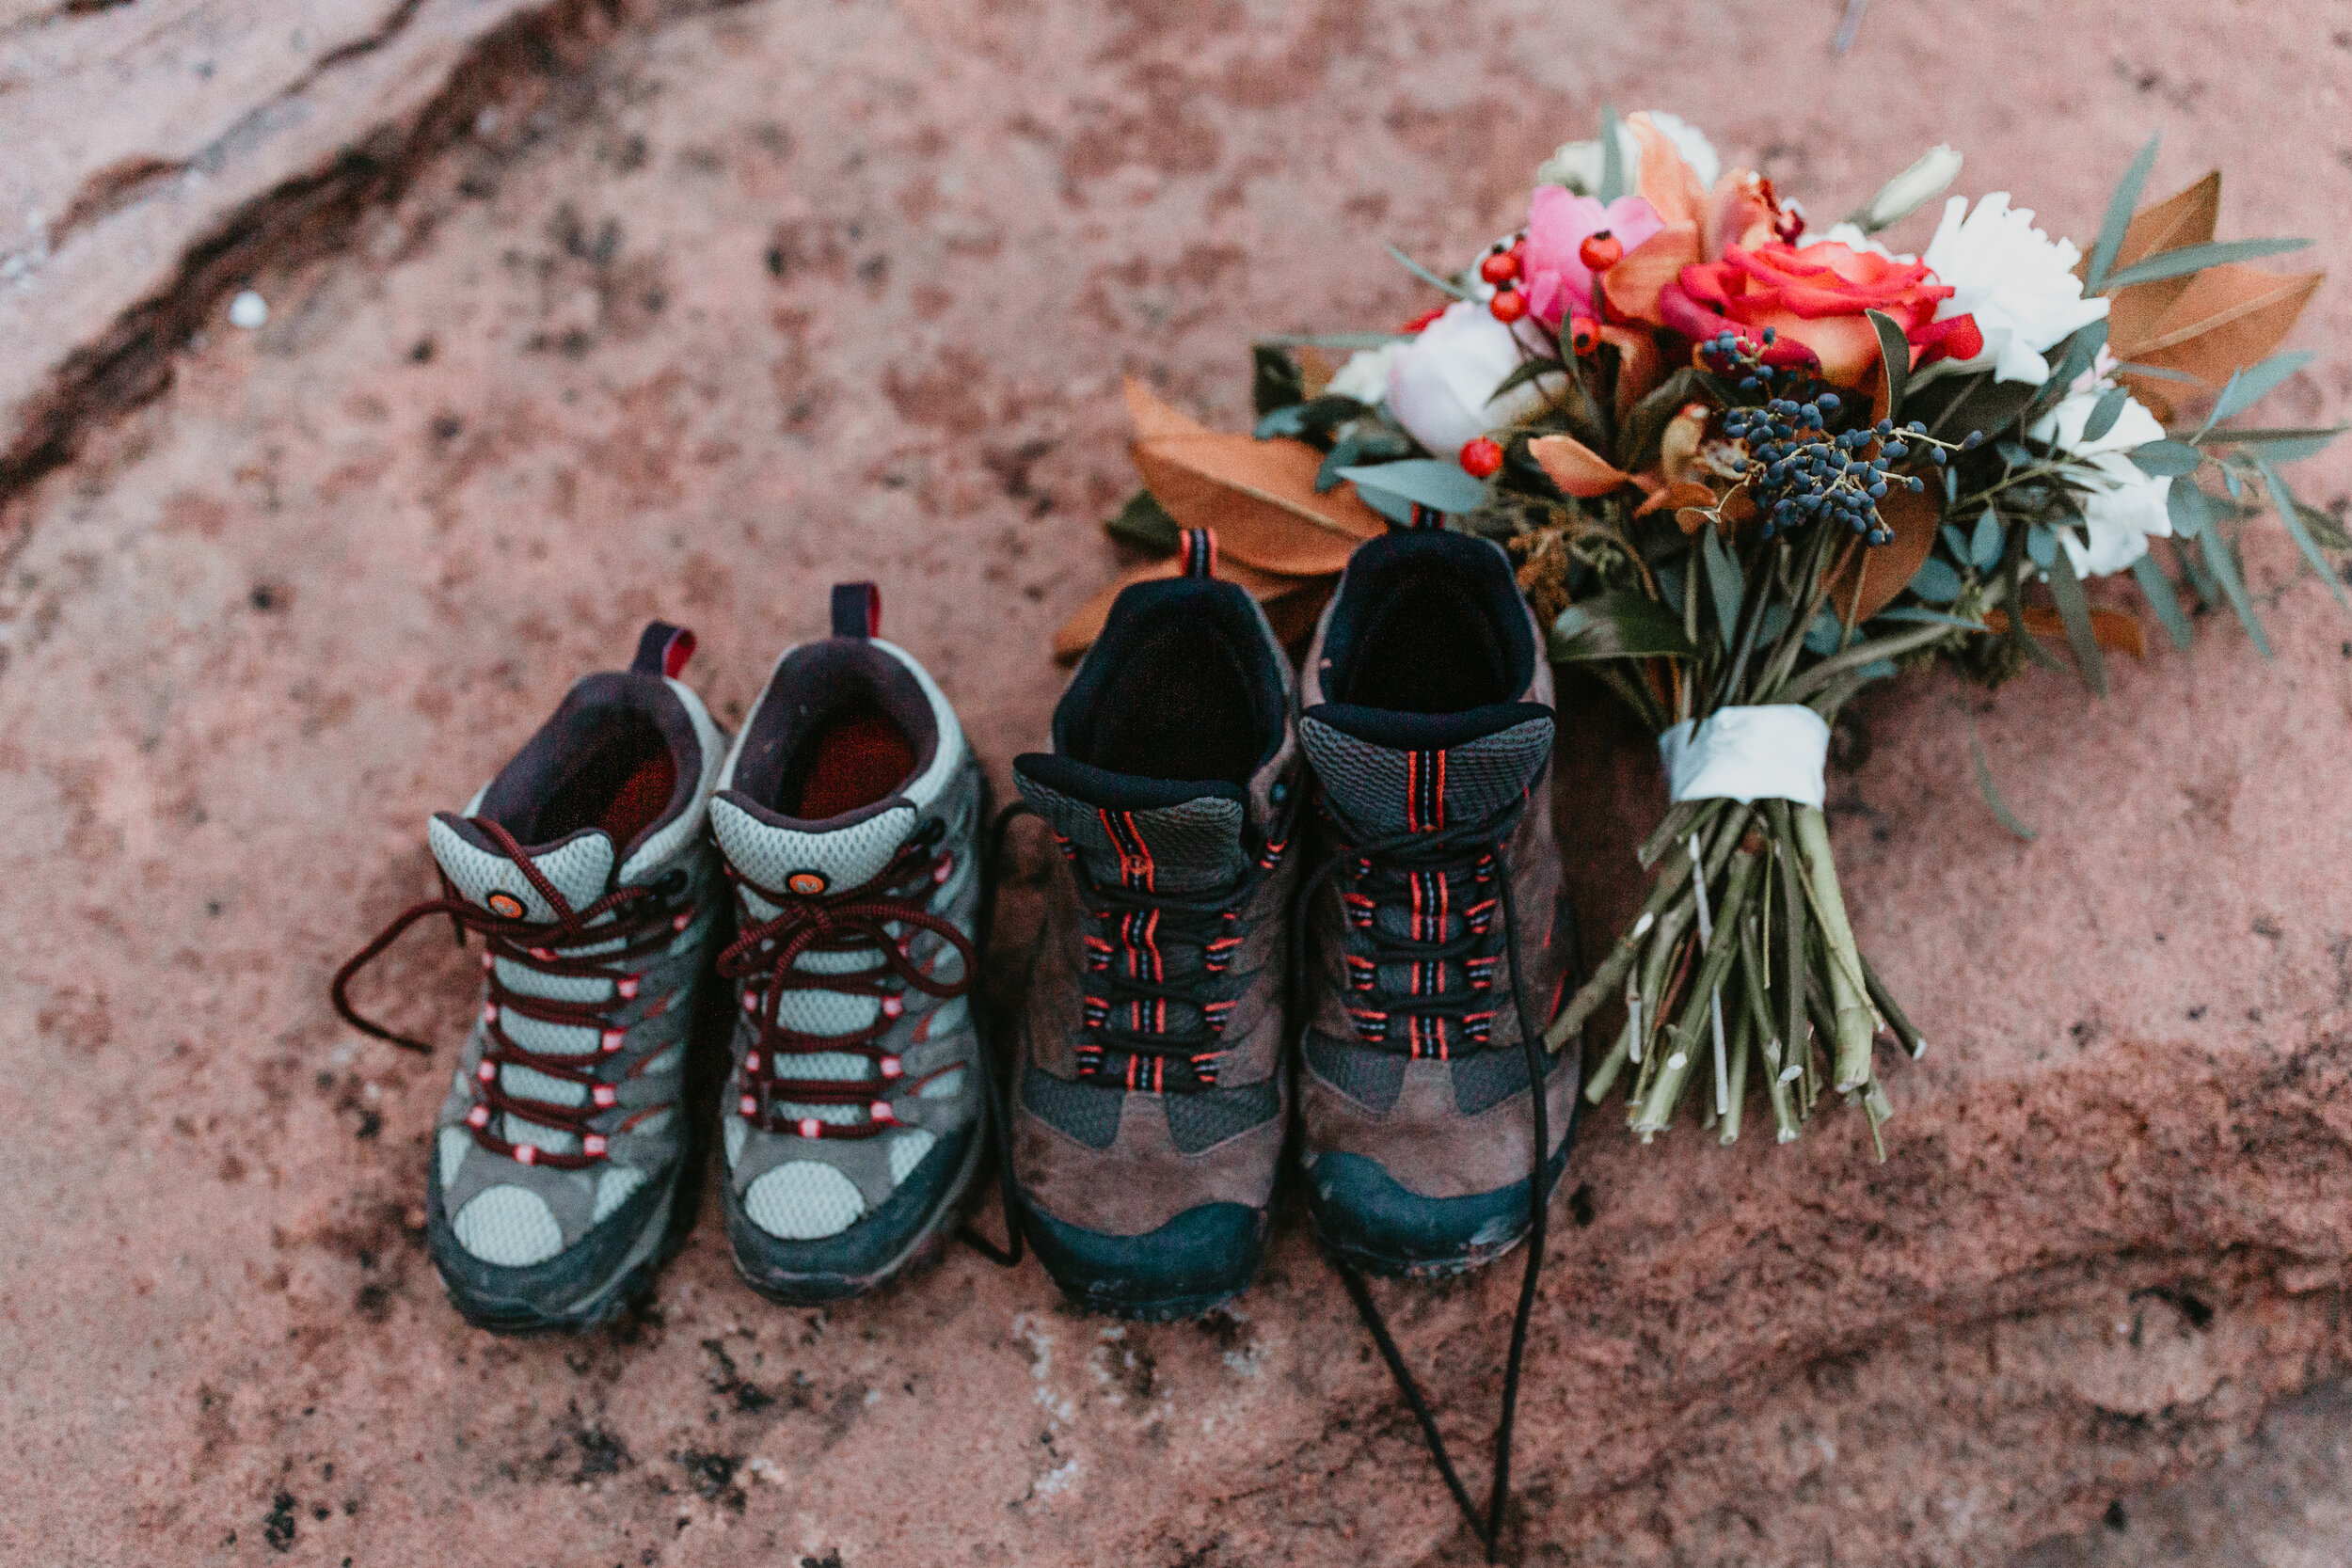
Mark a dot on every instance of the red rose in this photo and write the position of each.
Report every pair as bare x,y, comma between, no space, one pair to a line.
1815,297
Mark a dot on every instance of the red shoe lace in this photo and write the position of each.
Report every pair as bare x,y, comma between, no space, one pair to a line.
641,922
857,920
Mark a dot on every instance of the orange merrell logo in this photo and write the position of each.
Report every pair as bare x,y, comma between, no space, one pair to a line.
808,884
505,905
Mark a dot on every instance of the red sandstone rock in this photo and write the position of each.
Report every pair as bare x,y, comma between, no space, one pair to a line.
779,295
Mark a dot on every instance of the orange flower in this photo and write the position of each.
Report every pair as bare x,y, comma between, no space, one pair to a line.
1815,297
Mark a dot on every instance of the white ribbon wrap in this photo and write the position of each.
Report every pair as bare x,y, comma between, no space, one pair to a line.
1748,754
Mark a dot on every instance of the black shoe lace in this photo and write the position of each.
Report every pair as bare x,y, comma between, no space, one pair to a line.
1440,859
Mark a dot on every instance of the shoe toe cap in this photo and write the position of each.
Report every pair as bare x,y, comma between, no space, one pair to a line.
1184,1268
1380,1225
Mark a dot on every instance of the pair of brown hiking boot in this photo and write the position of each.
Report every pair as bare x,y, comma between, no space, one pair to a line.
1341,892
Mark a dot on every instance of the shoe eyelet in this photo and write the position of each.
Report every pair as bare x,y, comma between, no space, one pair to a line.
626,987
809,1127
605,1097
611,1040
592,1144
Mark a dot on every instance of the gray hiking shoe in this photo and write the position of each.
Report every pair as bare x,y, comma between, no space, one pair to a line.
848,817
558,1152
1434,923
1149,1089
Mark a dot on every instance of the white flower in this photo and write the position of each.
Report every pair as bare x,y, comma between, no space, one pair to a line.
1365,376
2126,504
1912,189
1578,163
1441,383
2017,281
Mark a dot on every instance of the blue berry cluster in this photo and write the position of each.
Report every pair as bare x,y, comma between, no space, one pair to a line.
1798,470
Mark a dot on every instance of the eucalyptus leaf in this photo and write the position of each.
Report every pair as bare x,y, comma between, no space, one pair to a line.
2105,412
2197,257
1144,521
1314,417
1984,548
1646,424
1927,618
1723,582
1395,508
1525,371
2042,545
2073,609
2189,508
1622,623
2291,513
2158,372
2325,528
1824,634
1366,441
1275,380
1447,284
2193,567
2165,603
2119,219
1956,541
1612,180
1990,791
1935,582
2254,383
1951,406
2082,352
2223,562
2277,445
1771,624
1429,481
2167,457
1352,341
2015,454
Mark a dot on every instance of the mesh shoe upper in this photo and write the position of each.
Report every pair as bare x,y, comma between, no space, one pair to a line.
1428,720
586,867
849,818
1147,1081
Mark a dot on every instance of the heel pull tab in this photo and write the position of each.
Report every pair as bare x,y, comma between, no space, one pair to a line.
1424,518
856,609
1198,548
663,650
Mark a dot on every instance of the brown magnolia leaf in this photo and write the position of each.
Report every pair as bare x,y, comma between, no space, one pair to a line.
1639,366
1575,467
1314,370
1686,497
1879,572
1259,496
1078,633
2118,631
1154,417
2186,218
1679,443
2228,318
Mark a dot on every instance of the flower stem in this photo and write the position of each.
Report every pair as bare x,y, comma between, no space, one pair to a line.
1852,1026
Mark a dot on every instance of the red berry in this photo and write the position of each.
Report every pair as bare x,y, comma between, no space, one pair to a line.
1501,267
1508,306
1480,457
1583,334
1600,251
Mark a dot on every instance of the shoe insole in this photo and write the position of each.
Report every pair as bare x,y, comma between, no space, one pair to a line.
853,761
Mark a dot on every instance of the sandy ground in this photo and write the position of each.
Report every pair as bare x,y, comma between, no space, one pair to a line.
768,296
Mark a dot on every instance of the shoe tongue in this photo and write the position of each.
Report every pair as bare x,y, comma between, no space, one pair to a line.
1167,835
844,852
1385,772
578,864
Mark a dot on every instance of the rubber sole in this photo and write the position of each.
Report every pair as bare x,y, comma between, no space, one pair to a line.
1185,1269
819,1290
628,1283
1360,1213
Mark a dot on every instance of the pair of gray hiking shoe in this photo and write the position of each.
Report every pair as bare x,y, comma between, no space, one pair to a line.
825,865
1341,893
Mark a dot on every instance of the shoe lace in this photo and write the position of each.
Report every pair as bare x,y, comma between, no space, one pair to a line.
1431,885
1143,935
881,915
1423,867
625,925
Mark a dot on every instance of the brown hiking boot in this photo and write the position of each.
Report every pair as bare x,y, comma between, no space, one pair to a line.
1436,935
1148,1087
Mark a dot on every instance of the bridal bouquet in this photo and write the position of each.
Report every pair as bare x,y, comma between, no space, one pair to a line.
1745,469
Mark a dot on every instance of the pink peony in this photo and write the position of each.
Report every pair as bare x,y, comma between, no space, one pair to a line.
1558,283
